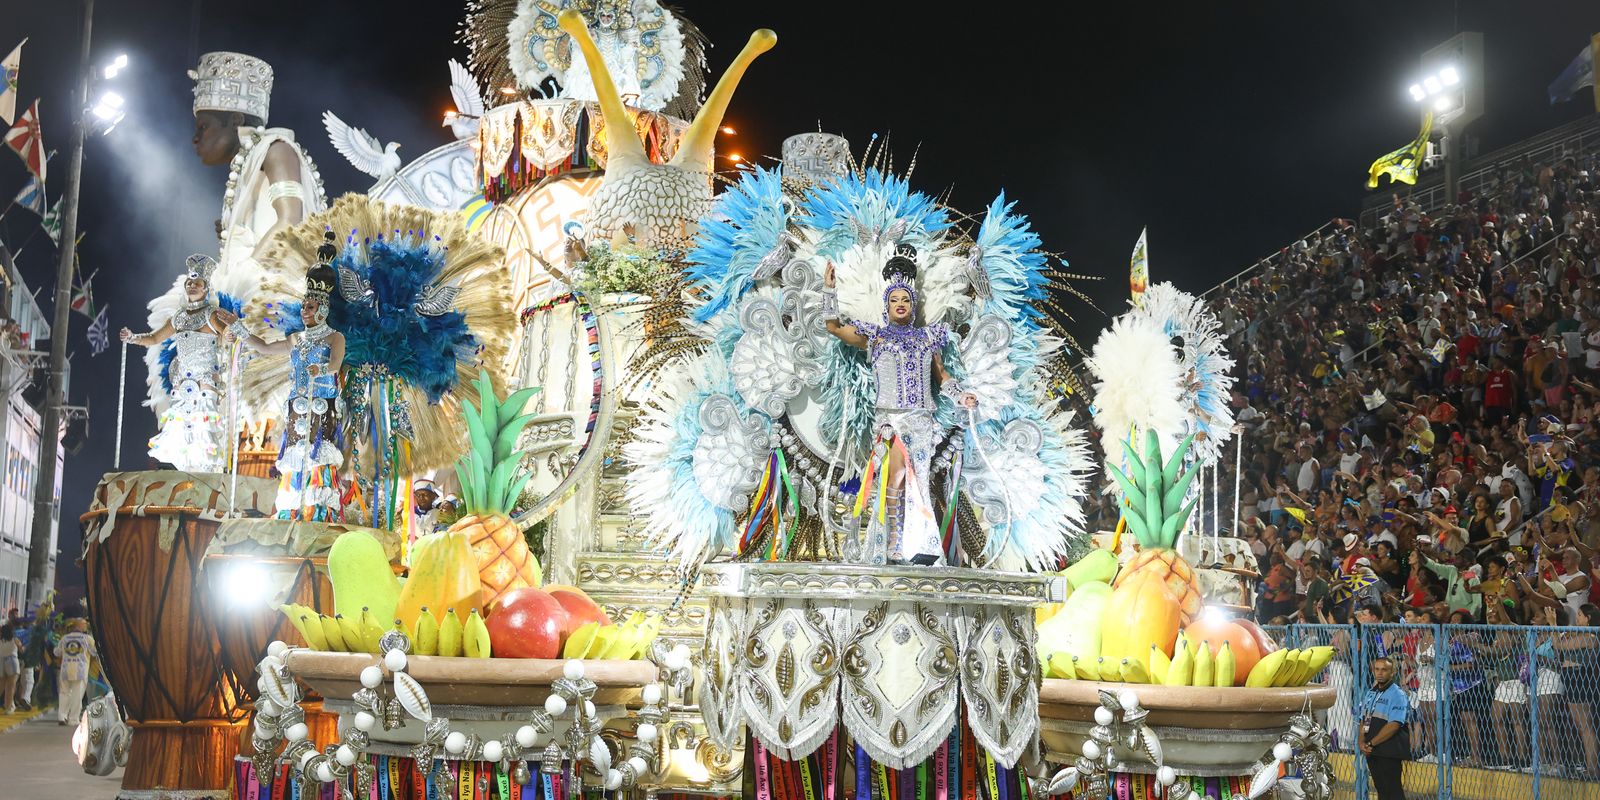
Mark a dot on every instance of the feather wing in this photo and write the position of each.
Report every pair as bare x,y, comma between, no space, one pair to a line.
464,91
358,147
1138,382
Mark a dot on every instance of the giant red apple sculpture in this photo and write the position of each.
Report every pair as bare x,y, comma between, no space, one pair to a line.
580,607
527,623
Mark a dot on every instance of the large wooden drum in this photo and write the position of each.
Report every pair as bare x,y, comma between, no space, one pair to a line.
145,537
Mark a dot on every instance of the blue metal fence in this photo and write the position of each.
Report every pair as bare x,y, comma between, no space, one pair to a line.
1498,712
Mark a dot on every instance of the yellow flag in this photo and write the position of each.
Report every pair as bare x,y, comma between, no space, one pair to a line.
1401,165
1297,513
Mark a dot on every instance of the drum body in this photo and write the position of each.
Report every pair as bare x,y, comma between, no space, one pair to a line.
145,539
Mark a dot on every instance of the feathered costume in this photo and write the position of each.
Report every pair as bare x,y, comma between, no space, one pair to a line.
190,435
423,305
721,460
312,450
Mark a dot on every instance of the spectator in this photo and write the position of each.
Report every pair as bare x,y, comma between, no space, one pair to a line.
10,666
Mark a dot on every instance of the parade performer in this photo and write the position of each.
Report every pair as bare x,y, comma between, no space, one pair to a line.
312,451
905,359
272,185
190,436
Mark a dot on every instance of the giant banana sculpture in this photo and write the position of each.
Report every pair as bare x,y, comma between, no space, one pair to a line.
658,202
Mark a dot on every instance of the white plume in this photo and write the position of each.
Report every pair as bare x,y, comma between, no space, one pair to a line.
1138,382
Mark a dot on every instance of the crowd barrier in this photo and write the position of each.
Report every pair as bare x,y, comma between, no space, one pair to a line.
1498,712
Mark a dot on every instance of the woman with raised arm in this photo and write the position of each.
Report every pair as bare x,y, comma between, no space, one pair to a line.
190,435
906,363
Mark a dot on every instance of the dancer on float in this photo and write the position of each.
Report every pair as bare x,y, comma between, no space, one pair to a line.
190,437
905,359
312,452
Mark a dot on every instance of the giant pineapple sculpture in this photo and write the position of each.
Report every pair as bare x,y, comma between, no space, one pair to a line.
1156,593
491,481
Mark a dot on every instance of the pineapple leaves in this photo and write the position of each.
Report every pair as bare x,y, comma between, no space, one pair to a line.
1154,489
492,477
514,404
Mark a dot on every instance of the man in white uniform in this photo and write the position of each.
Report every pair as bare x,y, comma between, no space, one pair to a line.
73,652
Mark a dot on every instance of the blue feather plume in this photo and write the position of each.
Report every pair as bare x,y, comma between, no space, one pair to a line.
746,224
1015,267
876,200
421,350
169,352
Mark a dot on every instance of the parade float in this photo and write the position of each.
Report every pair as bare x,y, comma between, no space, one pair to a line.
764,492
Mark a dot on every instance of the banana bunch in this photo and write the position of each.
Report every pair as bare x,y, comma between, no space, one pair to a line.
452,637
623,642
428,638
1194,664
1289,667
337,633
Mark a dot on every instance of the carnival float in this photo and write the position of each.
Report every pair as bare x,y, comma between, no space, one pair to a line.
759,484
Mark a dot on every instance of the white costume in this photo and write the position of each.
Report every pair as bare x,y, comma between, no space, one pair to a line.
191,425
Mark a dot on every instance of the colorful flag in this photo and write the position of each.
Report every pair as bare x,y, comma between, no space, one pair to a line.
1139,270
99,333
9,69
28,141
31,197
1577,76
1401,165
51,221
83,294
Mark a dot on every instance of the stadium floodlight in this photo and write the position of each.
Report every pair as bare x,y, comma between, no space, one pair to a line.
1450,76
117,65
109,111
1417,93
1431,83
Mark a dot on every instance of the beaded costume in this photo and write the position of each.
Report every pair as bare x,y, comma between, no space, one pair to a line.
901,523
190,434
313,437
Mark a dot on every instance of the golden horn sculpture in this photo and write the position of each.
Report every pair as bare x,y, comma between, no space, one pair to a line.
694,152
660,203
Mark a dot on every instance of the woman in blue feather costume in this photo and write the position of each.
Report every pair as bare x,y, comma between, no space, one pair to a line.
905,359
312,452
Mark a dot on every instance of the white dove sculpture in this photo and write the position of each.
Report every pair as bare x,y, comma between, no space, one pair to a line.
464,92
362,149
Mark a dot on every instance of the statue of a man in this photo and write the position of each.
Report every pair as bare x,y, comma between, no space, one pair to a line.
272,184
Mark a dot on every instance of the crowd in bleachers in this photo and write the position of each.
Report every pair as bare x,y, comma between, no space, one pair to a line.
1420,406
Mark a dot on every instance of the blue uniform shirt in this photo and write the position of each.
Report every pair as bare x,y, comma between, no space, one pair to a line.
1389,705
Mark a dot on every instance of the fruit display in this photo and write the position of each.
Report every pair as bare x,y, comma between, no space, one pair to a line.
491,481
441,608
1142,622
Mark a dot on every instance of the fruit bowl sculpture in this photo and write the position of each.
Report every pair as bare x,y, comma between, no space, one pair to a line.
1147,685
467,659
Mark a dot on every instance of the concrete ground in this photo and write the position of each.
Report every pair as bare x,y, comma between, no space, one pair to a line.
36,763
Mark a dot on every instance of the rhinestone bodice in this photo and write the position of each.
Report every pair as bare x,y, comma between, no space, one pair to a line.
196,358
902,362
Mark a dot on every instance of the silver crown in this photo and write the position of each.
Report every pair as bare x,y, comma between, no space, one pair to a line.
199,266
232,82
818,156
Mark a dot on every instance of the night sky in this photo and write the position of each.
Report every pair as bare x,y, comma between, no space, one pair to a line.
1229,129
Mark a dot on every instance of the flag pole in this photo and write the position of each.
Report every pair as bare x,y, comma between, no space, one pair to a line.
44,518
122,395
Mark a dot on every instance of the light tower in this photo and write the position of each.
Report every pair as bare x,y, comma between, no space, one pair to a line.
1450,86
